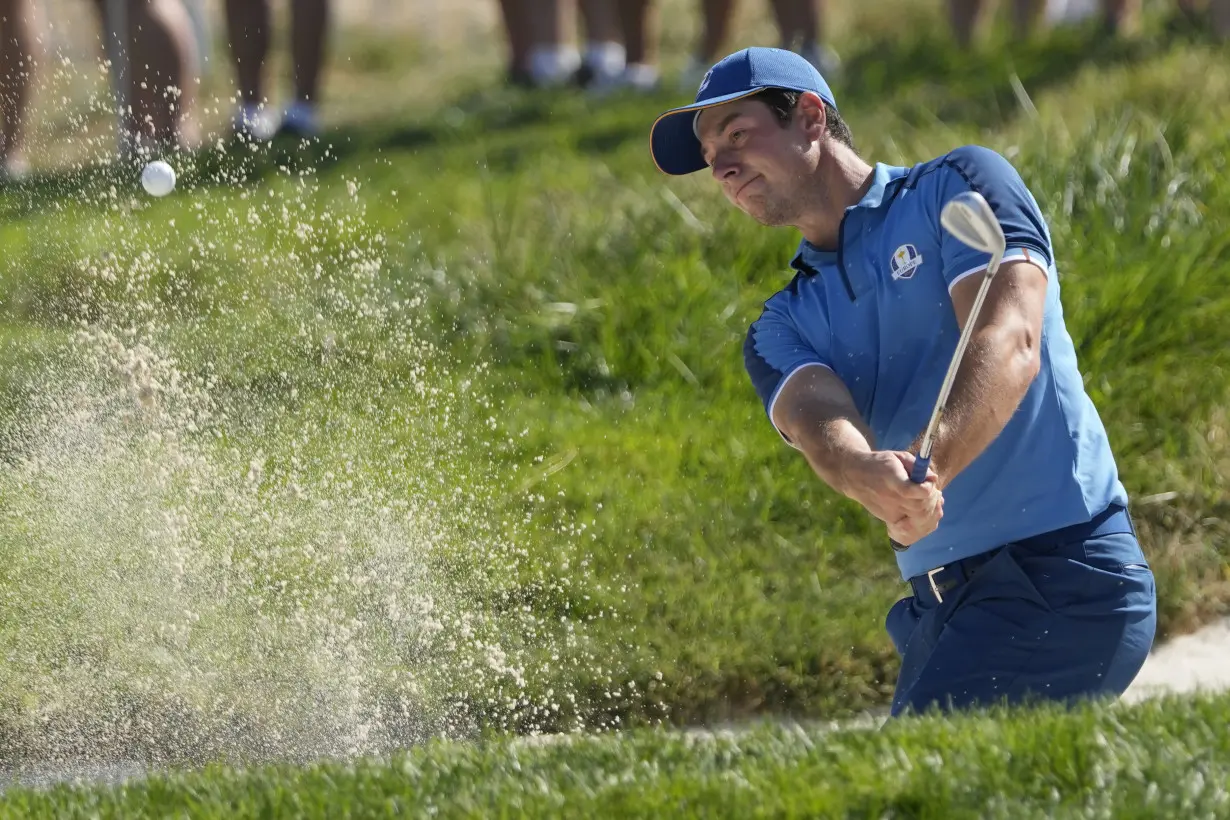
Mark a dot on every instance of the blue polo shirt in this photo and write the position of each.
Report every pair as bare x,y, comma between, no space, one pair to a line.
877,312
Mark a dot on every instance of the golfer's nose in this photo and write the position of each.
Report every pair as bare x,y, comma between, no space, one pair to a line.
724,167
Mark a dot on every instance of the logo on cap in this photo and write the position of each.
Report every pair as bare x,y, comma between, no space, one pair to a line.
704,83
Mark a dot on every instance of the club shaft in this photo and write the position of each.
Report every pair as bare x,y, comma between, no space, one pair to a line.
950,377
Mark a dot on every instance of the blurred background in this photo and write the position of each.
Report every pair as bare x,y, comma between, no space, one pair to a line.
266,68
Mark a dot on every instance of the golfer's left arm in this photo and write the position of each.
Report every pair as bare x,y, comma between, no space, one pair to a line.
1001,361
1004,352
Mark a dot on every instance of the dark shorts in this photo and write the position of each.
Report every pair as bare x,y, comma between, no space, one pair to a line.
1063,616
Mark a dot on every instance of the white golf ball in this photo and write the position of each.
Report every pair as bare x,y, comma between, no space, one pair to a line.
158,178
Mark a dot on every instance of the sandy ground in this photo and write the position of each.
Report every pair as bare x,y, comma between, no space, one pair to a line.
1196,662
1200,661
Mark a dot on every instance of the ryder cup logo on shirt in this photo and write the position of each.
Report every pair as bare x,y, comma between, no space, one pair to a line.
905,261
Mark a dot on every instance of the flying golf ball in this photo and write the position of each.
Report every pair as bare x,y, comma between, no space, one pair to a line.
158,178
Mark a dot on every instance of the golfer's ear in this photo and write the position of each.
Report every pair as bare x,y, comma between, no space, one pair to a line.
810,110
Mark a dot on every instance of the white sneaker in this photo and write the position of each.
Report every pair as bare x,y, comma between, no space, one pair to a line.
637,77
256,121
552,66
642,77
603,63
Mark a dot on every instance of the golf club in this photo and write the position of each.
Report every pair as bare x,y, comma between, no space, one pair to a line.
968,217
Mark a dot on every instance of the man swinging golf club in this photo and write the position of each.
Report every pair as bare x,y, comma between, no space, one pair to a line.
919,361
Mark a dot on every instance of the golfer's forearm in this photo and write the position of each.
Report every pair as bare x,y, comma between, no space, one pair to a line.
830,445
999,365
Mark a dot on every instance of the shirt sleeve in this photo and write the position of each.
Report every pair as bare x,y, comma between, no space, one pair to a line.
974,168
773,352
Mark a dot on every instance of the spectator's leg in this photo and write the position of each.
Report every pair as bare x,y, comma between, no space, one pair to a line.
605,53
716,17
16,68
783,15
1219,18
247,30
640,25
161,51
1121,17
553,59
715,32
798,22
518,29
965,16
309,30
166,59
808,14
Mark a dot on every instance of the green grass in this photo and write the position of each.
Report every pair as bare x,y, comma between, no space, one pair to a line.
1159,760
509,471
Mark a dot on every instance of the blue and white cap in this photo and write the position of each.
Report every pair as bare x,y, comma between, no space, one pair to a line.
672,139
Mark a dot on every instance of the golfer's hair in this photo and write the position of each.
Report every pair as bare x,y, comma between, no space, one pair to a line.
782,102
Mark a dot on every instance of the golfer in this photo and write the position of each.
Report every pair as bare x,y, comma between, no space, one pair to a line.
1027,580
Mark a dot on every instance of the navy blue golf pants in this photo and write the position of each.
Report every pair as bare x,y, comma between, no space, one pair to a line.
1063,616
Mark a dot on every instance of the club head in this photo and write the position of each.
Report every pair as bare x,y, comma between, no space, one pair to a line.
968,217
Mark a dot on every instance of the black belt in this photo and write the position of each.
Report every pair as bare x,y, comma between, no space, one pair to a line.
931,586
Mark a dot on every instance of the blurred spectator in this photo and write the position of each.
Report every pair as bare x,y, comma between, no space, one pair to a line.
544,51
152,50
520,39
553,57
16,65
159,55
639,23
618,34
247,26
799,26
605,56
1118,16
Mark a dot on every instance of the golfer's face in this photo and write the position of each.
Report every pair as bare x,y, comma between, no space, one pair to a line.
752,156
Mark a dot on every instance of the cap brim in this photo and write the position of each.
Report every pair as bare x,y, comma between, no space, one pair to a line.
672,142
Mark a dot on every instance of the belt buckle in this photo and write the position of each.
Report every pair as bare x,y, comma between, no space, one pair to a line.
934,589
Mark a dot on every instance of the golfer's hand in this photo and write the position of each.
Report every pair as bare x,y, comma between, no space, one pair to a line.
880,481
913,528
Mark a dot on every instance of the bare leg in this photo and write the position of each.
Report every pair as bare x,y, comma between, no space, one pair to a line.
1219,18
517,26
166,51
1027,17
640,24
798,21
787,29
716,32
965,16
161,57
247,31
601,21
1121,16
605,56
309,29
16,67
552,59
808,17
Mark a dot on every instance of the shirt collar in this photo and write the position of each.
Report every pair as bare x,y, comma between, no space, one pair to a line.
883,183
